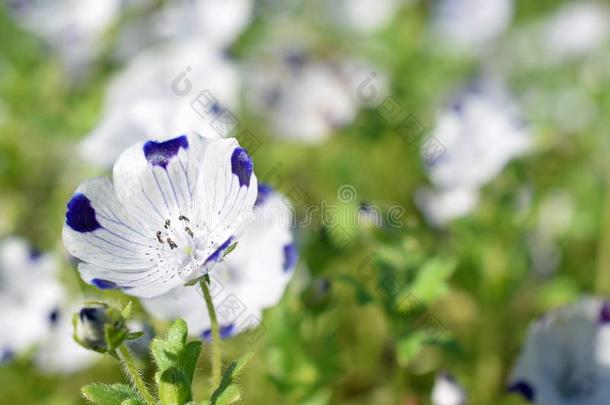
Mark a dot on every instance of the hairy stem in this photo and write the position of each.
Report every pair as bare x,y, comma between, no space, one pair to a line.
216,349
134,375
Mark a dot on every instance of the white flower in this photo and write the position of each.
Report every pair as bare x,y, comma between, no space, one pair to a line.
576,29
170,211
30,296
441,207
58,352
447,391
249,279
365,15
480,134
566,357
308,99
74,28
472,22
142,103
216,23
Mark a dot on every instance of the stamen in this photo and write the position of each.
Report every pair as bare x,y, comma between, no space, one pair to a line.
188,230
167,224
171,243
159,237
183,218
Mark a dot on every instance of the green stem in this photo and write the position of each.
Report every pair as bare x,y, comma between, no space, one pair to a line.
134,375
216,350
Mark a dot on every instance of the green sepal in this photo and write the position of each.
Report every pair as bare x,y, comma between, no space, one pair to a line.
229,250
134,335
111,394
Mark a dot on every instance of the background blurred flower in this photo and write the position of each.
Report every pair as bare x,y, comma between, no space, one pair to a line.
170,211
471,23
447,391
576,29
216,24
30,296
305,98
73,28
58,352
566,358
481,132
142,103
253,276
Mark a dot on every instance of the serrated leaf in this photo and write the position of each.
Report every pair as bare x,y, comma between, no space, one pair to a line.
131,402
230,376
175,352
231,395
174,387
107,394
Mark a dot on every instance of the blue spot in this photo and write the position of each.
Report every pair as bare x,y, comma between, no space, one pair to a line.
216,109
225,332
241,166
6,355
104,284
290,257
35,254
54,316
80,215
264,191
216,256
604,313
160,153
295,59
524,389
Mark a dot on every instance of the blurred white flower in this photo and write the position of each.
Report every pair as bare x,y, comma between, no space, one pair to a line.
481,132
252,277
58,352
471,23
30,296
565,359
166,217
73,28
447,391
216,23
576,29
365,15
441,207
307,99
142,101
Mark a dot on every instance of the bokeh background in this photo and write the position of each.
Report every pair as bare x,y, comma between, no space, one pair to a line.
352,109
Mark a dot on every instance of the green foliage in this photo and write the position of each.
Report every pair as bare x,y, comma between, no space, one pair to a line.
111,394
228,392
176,360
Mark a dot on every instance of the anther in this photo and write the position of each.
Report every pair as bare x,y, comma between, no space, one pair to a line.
171,243
159,237
167,223
183,218
188,230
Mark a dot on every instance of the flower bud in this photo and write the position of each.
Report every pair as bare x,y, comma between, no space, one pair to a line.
100,327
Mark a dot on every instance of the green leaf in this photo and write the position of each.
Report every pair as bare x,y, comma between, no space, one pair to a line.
431,281
229,378
174,387
175,353
229,396
409,346
106,394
